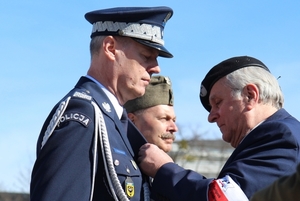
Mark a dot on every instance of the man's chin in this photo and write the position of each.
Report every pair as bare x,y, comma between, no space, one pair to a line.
166,148
141,91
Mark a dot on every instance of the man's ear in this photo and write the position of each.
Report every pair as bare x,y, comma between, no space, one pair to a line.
131,116
251,93
109,47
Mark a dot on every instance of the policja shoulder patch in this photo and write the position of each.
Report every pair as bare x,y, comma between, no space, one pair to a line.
76,116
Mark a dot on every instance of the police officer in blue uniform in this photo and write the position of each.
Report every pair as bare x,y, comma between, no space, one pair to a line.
246,102
87,148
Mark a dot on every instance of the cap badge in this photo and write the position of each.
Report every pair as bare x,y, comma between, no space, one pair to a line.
203,91
168,81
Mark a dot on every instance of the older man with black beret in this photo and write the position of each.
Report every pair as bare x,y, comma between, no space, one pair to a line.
245,100
153,113
87,148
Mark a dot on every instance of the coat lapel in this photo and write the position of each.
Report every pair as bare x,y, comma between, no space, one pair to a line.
106,107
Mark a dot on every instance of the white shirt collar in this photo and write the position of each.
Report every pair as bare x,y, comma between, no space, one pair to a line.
119,109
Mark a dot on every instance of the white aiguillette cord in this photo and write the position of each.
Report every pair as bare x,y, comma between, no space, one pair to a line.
55,120
111,174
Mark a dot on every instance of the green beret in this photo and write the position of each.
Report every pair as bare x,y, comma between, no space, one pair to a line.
221,70
158,92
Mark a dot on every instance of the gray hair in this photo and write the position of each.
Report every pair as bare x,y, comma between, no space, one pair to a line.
269,89
95,44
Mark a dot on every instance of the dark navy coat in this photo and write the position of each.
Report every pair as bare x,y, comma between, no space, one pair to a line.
269,151
63,168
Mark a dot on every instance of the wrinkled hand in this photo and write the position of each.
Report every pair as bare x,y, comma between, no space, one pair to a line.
151,158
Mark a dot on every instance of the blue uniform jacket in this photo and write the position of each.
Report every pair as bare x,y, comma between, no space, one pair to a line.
269,151
63,168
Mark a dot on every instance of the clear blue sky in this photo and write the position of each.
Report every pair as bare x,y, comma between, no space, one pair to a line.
45,49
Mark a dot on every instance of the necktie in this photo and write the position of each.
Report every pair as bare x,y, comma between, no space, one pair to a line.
124,120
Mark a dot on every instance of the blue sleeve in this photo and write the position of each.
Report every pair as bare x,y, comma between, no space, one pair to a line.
175,183
63,168
265,155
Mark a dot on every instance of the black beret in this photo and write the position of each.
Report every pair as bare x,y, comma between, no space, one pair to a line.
143,24
158,92
222,69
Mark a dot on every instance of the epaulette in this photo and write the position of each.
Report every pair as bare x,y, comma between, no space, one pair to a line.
82,94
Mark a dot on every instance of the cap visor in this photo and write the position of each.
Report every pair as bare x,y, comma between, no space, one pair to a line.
163,52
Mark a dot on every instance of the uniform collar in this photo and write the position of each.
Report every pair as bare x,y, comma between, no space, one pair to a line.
119,109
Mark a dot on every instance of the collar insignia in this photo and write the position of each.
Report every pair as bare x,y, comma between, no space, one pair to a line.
106,107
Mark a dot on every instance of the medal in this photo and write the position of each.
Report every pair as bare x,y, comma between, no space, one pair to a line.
129,187
134,164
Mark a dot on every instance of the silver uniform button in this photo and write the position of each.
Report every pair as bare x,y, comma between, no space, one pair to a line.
116,162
